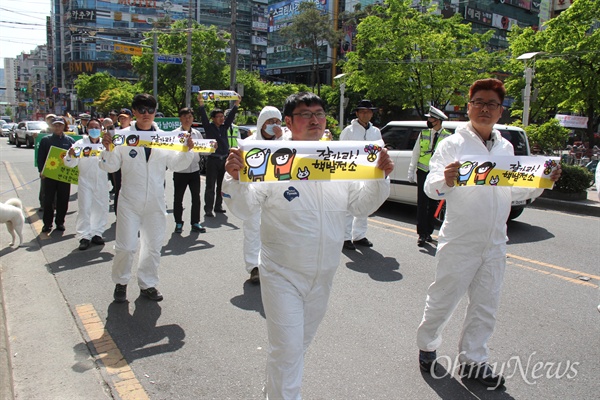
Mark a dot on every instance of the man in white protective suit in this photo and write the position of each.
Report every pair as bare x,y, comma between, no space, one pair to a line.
92,188
268,127
302,233
471,250
141,201
360,128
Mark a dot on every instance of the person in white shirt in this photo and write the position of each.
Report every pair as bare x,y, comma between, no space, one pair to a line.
360,128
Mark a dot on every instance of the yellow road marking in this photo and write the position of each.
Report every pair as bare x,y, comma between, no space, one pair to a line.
406,231
123,378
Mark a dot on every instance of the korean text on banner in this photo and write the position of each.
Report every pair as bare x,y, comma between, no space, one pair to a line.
276,161
54,167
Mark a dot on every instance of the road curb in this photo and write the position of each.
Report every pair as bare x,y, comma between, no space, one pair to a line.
6,382
583,207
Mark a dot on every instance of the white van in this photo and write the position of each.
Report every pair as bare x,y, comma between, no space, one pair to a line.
400,138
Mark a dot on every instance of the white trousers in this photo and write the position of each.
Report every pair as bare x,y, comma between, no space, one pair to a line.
356,227
252,242
461,270
92,214
151,226
292,321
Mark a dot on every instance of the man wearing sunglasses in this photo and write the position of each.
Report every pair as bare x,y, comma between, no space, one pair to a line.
141,201
302,233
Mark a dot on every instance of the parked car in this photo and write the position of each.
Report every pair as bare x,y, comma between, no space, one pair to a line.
246,130
26,132
400,138
11,134
6,128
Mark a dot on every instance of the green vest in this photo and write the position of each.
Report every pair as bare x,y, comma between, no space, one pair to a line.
233,133
424,144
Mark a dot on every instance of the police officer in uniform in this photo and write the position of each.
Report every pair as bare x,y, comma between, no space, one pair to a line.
419,168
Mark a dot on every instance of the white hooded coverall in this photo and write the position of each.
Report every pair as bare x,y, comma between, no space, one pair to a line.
92,194
302,233
356,227
141,207
471,251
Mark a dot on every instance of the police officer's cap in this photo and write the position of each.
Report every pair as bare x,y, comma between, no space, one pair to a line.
437,114
85,116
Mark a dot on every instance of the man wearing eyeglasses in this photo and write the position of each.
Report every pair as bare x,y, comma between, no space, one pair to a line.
425,146
141,201
471,251
302,233
215,162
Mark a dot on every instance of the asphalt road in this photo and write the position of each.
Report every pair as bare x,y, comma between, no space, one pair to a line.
207,339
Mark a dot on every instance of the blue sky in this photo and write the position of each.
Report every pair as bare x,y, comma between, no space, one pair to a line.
22,26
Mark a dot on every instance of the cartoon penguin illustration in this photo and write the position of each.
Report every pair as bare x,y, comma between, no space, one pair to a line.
465,171
87,151
133,140
482,172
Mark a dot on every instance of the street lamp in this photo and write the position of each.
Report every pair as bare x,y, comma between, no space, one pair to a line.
342,91
529,71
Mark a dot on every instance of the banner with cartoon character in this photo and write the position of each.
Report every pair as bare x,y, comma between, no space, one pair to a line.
519,171
87,149
219,95
274,161
56,169
163,140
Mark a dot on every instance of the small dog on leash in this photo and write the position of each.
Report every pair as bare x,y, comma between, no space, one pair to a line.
11,213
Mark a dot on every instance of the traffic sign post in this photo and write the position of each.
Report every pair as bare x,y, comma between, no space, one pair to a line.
169,59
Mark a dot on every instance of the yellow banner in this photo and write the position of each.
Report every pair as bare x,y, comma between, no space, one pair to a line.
518,171
127,49
219,95
274,161
163,140
56,169
87,150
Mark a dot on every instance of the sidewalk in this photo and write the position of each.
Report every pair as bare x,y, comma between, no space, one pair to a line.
590,207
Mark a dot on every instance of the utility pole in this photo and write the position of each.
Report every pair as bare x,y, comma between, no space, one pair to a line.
188,60
155,66
233,46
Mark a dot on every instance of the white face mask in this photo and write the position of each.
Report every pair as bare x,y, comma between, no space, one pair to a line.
269,128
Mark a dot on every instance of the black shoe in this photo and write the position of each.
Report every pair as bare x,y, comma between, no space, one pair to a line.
152,294
363,242
46,229
220,210
198,228
254,275
483,373
427,360
348,245
60,227
120,294
97,240
179,227
421,241
84,244
209,214
429,239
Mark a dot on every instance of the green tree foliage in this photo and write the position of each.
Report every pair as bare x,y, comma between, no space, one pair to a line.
92,86
410,59
549,136
567,73
311,29
208,63
116,98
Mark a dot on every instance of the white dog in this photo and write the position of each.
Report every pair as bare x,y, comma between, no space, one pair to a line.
11,213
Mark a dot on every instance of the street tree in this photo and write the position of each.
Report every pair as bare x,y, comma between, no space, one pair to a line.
116,98
412,59
208,63
92,86
567,72
312,29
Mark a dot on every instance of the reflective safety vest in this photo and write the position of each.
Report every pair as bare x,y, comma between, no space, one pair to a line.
425,145
233,133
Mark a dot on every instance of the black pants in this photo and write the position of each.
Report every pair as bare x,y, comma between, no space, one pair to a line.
62,191
181,181
115,179
215,171
425,206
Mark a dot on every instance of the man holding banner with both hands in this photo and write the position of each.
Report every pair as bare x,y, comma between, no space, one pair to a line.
302,231
142,198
